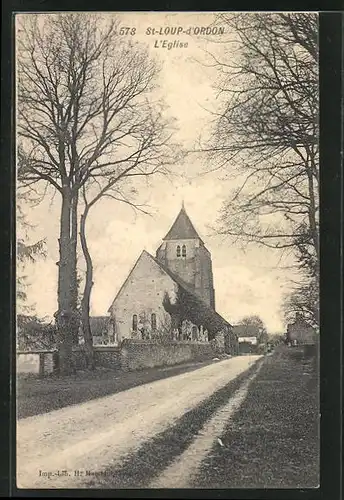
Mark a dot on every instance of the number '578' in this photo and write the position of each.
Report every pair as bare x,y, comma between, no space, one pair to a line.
127,31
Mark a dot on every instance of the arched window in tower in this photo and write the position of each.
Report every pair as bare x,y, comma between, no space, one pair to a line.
134,322
178,251
153,321
183,251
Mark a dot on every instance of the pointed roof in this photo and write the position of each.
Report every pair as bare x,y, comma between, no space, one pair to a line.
182,228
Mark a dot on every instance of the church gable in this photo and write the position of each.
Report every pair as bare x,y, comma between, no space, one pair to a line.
140,299
146,274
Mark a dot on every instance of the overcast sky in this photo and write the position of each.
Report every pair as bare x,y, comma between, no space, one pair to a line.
245,283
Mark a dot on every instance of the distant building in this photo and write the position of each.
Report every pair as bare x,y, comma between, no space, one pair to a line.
300,332
102,331
247,333
248,337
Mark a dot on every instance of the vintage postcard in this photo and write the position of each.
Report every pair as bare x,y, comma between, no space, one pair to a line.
167,250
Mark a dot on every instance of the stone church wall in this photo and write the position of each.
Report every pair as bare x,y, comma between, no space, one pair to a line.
105,357
140,354
137,355
131,355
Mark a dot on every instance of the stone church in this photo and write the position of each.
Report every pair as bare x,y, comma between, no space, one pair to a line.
171,294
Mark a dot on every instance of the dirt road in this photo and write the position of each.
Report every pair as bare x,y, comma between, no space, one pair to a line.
61,448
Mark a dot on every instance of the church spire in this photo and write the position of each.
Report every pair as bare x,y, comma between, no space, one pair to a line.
182,227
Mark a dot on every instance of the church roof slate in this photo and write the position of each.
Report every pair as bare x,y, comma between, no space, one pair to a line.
182,228
189,290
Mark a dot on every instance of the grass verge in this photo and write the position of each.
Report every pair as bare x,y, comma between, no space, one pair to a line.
37,396
273,439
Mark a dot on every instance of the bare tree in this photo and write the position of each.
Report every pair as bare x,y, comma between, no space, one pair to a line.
303,299
152,154
82,99
266,130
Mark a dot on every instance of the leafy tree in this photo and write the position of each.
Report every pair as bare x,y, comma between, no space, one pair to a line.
256,322
35,333
25,253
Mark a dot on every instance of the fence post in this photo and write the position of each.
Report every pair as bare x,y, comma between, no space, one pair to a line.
41,364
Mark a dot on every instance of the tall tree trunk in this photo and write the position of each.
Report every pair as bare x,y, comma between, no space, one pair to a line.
73,247
64,315
85,303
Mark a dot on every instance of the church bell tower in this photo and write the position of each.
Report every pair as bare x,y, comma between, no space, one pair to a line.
183,252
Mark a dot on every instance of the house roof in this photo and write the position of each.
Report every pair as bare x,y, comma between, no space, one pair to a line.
246,330
182,228
98,324
207,310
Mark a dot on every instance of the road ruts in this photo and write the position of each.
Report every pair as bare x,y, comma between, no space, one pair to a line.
64,448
